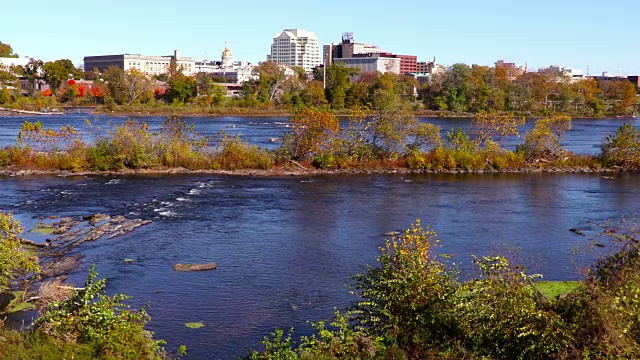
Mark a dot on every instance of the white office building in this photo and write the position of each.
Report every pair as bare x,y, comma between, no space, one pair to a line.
296,47
372,63
149,65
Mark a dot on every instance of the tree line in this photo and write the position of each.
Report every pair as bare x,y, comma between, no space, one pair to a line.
458,89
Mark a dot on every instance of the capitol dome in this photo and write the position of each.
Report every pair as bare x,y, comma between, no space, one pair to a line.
227,55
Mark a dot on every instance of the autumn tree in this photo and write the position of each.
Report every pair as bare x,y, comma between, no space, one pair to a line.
313,94
312,131
492,126
623,148
127,86
621,95
543,141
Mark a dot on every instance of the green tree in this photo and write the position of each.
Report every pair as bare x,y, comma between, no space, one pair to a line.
271,75
15,261
7,51
57,72
338,83
392,124
213,93
182,88
115,80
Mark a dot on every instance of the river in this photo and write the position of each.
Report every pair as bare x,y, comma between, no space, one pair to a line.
286,246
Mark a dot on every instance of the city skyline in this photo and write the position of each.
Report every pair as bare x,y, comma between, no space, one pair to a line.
578,34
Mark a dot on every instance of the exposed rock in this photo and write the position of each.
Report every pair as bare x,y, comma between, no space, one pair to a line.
194,267
5,300
94,219
60,267
578,231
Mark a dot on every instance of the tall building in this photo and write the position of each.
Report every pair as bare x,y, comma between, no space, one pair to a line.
296,47
149,65
348,48
368,57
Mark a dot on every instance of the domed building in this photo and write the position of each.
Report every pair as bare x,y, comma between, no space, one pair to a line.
227,56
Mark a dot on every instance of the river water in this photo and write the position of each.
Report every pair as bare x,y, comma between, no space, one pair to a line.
286,246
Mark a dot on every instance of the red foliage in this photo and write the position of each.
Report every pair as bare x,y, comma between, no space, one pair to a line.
47,92
159,91
82,91
71,82
96,91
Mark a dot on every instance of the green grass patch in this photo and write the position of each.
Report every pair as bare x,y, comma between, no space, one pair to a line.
17,304
552,289
194,325
43,230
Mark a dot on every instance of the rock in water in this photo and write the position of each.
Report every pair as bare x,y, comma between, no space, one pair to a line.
194,267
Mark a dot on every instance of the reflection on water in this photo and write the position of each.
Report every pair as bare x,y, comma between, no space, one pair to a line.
285,247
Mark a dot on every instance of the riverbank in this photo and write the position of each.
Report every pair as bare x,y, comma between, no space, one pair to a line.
282,172
19,112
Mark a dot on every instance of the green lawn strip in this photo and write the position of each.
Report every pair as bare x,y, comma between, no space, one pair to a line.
194,325
17,304
552,289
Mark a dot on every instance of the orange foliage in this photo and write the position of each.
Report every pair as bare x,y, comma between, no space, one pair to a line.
159,91
96,91
47,92
312,132
82,91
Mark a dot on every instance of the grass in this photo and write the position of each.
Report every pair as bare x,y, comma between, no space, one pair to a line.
553,289
194,325
17,304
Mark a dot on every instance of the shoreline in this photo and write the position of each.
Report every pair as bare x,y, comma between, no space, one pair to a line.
8,112
286,172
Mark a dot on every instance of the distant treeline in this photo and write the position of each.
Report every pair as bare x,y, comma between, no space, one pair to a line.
459,89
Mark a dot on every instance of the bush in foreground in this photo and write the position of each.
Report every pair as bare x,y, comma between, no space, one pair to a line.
413,307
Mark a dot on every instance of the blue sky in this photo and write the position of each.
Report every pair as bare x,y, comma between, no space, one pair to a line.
601,35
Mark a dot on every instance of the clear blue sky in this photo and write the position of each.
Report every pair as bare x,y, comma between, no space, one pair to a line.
576,33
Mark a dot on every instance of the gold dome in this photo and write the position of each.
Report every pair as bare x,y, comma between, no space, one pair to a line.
226,52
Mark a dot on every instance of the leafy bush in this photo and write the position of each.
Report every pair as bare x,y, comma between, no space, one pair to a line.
15,261
503,316
623,148
543,141
410,299
105,323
